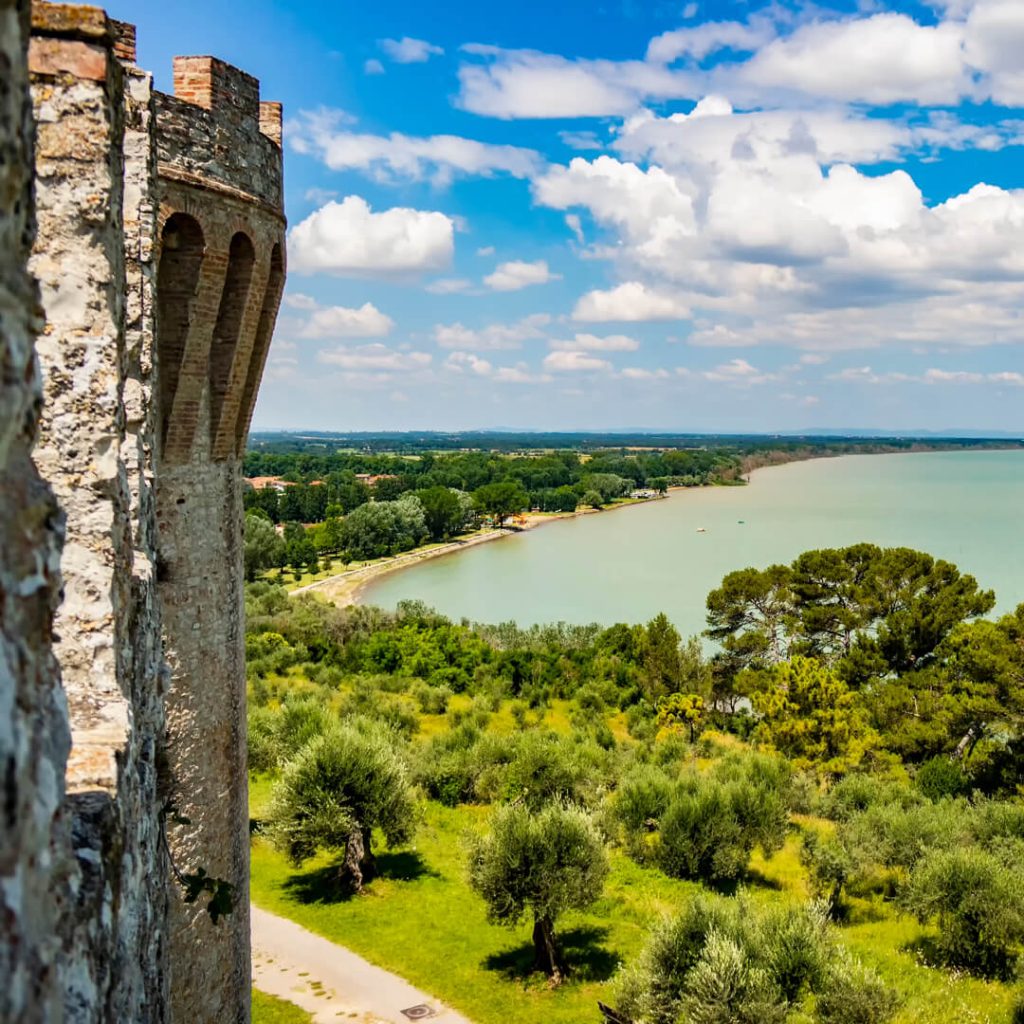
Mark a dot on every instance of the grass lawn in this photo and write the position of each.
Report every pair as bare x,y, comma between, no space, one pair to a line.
419,919
271,1010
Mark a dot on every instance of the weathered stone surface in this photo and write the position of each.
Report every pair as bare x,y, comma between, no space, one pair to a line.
33,718
213,358
158,248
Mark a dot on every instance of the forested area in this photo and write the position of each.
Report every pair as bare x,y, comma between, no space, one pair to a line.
557,481
821,820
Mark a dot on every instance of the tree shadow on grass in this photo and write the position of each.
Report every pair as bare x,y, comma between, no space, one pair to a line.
325,884
584,957
757,878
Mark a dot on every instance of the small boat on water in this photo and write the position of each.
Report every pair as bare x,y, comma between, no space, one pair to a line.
700,529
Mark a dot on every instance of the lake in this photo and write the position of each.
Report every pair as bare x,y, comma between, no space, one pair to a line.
627,565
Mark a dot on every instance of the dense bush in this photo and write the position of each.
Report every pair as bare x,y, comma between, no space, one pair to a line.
977,901
725,962
710,827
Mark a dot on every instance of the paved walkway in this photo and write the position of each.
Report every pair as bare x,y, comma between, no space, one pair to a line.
332,983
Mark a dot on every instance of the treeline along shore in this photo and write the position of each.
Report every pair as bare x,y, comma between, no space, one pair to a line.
348,508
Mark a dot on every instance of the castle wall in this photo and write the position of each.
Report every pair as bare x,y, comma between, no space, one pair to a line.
217,353
94,182
157,241
34,734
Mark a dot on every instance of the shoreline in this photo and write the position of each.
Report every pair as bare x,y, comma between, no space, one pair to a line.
344,589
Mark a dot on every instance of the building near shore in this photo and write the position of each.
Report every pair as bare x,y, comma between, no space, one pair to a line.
142,263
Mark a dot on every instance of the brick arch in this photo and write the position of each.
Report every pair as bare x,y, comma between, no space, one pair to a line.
182,248
226,333
261,344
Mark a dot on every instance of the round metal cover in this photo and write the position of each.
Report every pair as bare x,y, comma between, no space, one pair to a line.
420,1012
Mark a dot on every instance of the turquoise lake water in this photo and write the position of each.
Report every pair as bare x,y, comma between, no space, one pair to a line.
629,564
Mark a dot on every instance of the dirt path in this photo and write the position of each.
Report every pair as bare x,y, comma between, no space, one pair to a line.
331,982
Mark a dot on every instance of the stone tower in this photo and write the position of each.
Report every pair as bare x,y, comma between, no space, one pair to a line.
155,243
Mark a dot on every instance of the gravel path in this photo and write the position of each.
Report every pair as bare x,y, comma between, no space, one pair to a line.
331,982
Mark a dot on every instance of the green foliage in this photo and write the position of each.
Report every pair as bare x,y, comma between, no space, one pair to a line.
593,499
348,779
263,549
809,714
443,512
640,800
501,500
853,994
542,863
682,712
710,828
977,901
941,777
382,528
727,962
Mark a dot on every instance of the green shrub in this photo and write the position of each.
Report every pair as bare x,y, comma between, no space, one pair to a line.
978,904
297,722
727,962
1017,1013
941,777
710,828
854,994
432,700
639,802
858,792
262,746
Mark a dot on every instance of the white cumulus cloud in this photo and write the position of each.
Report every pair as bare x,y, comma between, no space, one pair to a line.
592,343
517,274
632,301
349,239
374,357
409,51
493,336
326,134
366,321
574,362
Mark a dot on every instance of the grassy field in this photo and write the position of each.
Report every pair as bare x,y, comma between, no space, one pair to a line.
271,1010
420,920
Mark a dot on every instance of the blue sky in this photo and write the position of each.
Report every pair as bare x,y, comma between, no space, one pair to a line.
725,216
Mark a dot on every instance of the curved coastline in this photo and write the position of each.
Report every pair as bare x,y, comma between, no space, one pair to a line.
345,589
350,587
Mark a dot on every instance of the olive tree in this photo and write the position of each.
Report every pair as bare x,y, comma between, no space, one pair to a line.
541,863
343,784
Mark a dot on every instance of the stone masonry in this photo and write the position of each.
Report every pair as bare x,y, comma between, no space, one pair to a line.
155,244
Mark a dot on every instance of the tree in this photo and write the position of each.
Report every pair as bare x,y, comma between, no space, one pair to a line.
540,863
748,614
442,511
659,484
342,785
660,657
593,498
809,714
678,711
328,536
501,500
608,485
978,902
263,547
